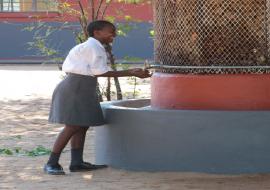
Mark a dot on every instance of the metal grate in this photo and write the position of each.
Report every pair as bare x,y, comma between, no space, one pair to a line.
212,33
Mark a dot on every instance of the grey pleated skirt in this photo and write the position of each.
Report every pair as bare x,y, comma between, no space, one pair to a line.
75,102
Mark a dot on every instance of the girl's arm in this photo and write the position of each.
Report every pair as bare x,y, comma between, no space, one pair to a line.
126,73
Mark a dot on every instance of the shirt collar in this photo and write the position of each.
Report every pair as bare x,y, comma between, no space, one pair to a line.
93,40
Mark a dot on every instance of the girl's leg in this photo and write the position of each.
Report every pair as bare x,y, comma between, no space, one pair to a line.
78,139
77,146
53,167
60,143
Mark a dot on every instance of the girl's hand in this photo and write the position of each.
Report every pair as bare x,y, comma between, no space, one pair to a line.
141,73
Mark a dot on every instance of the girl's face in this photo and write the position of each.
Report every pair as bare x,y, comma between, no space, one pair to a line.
106,35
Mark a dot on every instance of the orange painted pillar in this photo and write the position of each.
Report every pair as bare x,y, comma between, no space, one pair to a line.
210,92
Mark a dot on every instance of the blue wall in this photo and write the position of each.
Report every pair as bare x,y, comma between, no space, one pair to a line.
137,43
13,42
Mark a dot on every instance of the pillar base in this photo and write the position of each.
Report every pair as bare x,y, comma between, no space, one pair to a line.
210,92
146,139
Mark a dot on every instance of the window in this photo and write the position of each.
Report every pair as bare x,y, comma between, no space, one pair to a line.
28,5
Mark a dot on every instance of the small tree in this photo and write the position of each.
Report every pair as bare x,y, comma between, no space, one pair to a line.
95,10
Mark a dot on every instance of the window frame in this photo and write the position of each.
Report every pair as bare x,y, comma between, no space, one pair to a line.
34,8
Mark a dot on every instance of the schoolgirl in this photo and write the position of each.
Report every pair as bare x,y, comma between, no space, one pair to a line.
75,103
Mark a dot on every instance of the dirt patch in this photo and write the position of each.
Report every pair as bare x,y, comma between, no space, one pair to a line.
23,125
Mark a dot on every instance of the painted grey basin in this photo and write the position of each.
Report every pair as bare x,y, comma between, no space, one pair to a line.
137,137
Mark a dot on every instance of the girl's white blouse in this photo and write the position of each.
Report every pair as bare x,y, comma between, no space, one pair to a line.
87,58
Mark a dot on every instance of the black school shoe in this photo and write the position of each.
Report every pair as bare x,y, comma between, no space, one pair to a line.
85,166
54,169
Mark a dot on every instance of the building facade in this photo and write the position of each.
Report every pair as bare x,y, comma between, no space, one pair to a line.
18,15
